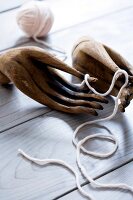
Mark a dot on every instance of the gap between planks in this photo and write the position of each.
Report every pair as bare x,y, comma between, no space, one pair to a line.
93,19
96,178
48,111
71,26
15,6
6,129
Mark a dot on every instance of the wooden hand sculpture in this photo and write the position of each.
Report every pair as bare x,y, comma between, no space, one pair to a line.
36,73
101,61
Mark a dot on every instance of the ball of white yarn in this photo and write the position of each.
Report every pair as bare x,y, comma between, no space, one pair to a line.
35,19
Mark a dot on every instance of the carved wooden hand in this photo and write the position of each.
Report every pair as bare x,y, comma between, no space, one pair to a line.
35,73
101,61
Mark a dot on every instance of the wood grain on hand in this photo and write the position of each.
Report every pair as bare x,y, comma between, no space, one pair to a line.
101,61
35,72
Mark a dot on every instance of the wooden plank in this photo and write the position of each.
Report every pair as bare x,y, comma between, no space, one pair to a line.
114,30
20,180
50,136
8,5
15,107
108,30
79,11
43,136
72,12
121,175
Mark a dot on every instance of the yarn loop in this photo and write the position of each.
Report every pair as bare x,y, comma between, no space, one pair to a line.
79,145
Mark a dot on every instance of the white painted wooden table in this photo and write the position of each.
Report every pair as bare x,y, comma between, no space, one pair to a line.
46,133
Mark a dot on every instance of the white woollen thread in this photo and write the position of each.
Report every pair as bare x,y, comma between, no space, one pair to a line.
116,75
111,138
36,19
94,183
59,162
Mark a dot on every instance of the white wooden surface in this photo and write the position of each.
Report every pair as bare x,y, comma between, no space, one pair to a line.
44,133
66,14
51,136
121,175
17,107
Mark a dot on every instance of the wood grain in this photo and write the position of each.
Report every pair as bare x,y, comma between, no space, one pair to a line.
109,34
114,30
15,107
121,175
8,5
50,136
90,10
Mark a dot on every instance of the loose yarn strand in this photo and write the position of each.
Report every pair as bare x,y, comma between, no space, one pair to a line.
49,46
57,162
52,47
116,75
94,183
79,145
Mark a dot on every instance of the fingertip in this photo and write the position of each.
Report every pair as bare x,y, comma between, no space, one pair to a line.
127,103
92,112
121,108
95,113
106,101
99,106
